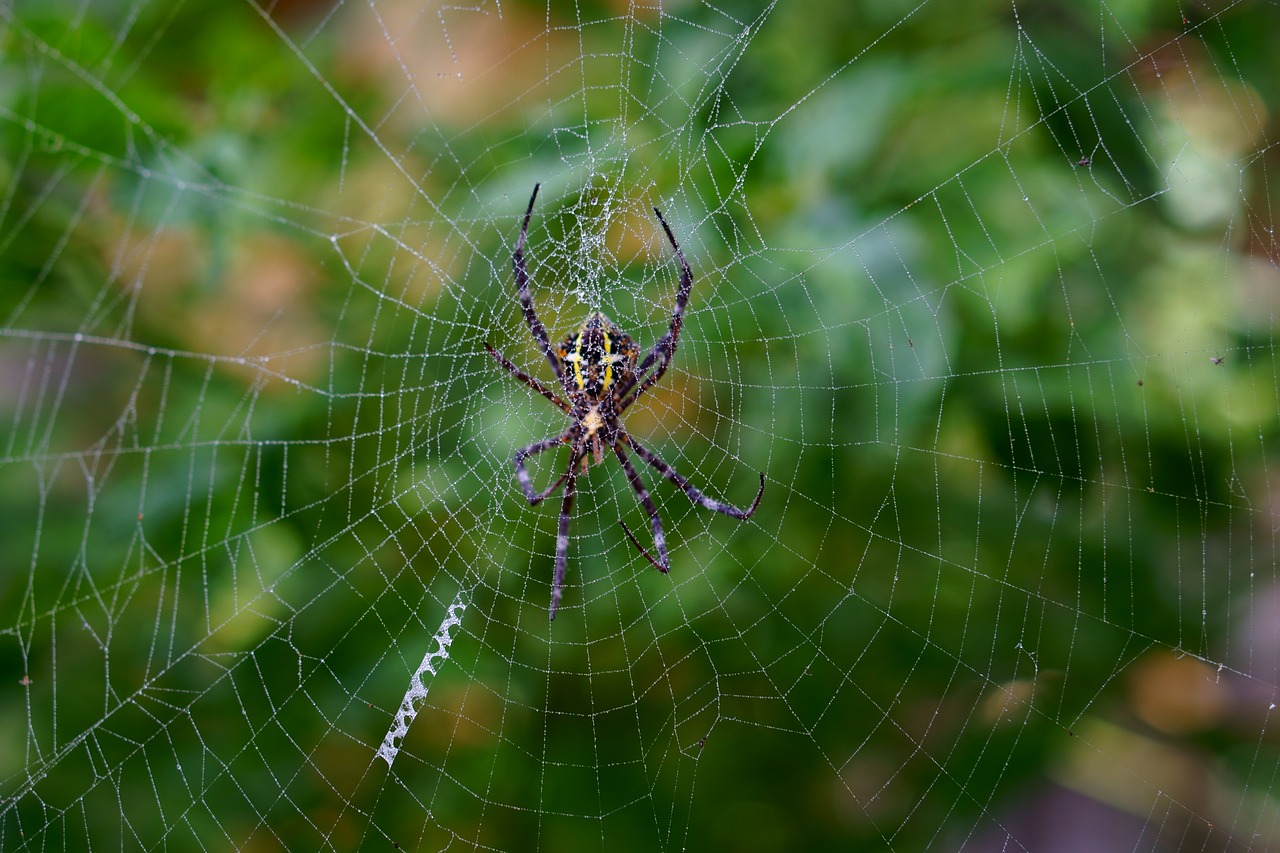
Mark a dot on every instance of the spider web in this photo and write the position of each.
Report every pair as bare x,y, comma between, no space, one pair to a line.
987,291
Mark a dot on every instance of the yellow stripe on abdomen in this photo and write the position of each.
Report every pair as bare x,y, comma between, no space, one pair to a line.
608,361
577,359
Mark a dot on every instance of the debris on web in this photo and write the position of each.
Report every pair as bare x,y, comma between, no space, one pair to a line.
418,685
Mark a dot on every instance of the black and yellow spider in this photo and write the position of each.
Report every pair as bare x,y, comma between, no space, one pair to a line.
596,367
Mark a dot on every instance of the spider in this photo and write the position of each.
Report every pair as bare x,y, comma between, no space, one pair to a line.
596,368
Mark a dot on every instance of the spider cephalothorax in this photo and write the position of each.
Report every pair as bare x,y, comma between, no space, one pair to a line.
599,369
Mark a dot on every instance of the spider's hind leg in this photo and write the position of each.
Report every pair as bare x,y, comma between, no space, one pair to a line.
536,328
665,348
508,366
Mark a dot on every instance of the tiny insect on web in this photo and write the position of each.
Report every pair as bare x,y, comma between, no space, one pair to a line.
600,372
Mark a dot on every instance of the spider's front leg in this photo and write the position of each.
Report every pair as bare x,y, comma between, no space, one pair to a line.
662,564
570,480
569,476
522,473
690,490
562,537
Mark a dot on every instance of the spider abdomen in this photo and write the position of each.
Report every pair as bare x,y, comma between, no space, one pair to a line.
598,358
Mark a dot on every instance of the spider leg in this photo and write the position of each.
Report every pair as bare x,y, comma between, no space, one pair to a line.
526,298
694,495
526,378
522,473
562,537
662,564
665,348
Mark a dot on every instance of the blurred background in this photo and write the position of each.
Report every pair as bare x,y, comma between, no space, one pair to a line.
988,291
